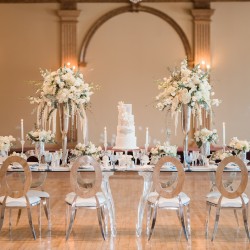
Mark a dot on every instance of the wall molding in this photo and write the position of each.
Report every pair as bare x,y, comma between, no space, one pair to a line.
133,8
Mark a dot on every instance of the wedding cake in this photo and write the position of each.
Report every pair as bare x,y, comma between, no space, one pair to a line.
125,138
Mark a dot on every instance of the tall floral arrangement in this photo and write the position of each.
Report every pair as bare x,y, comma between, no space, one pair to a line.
205,135
66,87
186,86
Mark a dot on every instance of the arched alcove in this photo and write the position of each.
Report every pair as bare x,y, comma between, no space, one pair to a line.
126,56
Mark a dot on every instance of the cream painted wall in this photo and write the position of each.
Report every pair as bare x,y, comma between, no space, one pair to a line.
29,40
230,67
125,57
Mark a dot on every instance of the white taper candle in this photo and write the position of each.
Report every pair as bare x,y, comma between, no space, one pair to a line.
105,136
146,142
224,134
22,137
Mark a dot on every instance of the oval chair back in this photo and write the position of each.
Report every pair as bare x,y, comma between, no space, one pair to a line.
90,190
180,177
28,177
244,177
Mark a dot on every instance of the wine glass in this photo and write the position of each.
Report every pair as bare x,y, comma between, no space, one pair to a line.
48,158
119,157
136,155
113,159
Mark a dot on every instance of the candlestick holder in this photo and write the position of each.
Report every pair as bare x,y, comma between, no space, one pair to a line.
105,147
224,148
146,148
22,144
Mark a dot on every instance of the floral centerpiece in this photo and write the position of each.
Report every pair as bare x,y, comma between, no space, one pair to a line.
162,150
19,154
220,155
6,142
88,149
205,135
41,136
186,86
238,146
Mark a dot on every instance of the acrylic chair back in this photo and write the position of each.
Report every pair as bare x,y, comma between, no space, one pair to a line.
88,190
27,181
180,177
244,177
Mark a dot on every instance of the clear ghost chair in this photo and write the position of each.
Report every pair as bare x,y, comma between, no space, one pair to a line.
169,199
86,196
226,197
37,189
18,198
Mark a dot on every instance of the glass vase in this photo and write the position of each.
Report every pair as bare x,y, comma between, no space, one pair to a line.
40,151
205,151
64,127
185,123
243,156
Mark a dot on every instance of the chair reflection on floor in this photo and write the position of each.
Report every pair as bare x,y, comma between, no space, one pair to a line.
227,198
87,196
168,196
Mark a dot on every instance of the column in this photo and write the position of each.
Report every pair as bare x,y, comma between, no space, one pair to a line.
68,19
202,51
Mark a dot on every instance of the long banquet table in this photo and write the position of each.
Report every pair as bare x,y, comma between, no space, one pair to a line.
145,171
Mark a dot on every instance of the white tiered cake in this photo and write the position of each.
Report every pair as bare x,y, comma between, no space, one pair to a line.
125,138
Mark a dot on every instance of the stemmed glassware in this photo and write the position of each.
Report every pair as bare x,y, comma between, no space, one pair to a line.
48,158
113,159
136,155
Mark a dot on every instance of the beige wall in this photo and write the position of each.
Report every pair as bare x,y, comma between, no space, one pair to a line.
127,54
231,66
29,41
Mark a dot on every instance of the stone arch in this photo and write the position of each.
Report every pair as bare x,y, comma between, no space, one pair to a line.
133,8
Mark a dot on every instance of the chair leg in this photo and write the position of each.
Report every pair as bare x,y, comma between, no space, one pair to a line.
153,222
182,221
2,216
18,216
10,225
217,217
72,217
236,217
105,220
149,217
188,221
46,206
244,213
30,222
39,218
99,215
208,208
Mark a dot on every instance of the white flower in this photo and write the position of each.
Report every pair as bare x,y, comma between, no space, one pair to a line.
41,136
185,86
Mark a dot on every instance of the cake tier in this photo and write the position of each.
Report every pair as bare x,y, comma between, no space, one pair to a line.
125,130
125,142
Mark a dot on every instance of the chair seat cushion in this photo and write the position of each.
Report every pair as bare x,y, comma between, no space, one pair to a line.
213,197
85,202
173,202
20,202
38,193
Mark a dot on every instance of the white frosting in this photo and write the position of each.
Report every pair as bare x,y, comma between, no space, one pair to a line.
125,138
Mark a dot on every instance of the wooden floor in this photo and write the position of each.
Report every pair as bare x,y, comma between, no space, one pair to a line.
126,189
